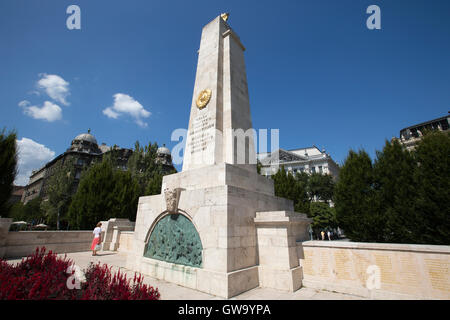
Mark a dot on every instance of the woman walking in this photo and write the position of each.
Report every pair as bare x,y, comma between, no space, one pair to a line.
95,246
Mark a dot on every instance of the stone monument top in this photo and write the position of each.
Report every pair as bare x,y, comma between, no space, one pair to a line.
220,118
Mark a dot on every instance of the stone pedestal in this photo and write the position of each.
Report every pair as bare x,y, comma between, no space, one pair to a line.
111,230
277,235
221,201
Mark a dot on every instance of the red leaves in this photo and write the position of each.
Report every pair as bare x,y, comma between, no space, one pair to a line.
102,285
43,276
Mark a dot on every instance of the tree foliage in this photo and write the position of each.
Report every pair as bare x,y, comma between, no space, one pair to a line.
433,187
60,188
8,171
103,193
287,186
320,186
324,216
30,212
354,197
401,197
144,168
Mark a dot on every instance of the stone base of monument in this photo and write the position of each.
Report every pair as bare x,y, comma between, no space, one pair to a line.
227,234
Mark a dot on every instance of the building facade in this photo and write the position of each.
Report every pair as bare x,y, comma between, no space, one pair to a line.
410,136
84,151
309,160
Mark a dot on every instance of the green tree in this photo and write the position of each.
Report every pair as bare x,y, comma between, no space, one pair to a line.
324,216
433,187
154,185
8,171
355,202
143,167
396,193
17,212
60,188
289,187
320,187
103,193
30,212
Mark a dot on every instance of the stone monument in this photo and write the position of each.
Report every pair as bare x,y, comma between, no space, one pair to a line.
217,226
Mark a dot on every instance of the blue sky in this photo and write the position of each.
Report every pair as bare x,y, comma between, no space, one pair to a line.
314,70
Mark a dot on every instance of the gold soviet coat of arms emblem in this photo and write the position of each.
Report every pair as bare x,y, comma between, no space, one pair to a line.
203,98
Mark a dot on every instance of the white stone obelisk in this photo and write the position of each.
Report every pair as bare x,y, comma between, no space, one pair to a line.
224,111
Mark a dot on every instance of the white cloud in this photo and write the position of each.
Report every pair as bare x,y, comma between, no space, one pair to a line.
125,104
49,111
31,156
56,87
24,103
110,113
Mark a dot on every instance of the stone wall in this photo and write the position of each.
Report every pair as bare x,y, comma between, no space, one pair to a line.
17,244
23,243
405,271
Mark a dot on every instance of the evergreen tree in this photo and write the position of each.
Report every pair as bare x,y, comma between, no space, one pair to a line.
93,197
8,171
395,192
324,216
103,193
126,196
154,185
287,186
356,209
432,177
143,166
320,187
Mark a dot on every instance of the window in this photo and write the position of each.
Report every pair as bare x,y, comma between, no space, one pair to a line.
320,169
313,169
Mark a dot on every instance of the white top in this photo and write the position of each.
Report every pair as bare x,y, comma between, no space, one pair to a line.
97,232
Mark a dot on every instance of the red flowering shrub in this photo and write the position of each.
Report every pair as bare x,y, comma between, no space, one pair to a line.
39,276
45,276
102,285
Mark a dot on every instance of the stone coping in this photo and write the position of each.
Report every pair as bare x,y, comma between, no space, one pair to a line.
49,231
377,246
280,217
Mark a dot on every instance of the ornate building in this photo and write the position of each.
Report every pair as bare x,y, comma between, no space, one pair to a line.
410,136
309,160
164,157
84,150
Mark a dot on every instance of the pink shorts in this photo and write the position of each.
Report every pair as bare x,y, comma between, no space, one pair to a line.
95,242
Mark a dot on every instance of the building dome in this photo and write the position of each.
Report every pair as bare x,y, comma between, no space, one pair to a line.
85,142
86,137
163,150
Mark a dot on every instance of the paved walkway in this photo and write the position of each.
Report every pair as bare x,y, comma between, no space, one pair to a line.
170,291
